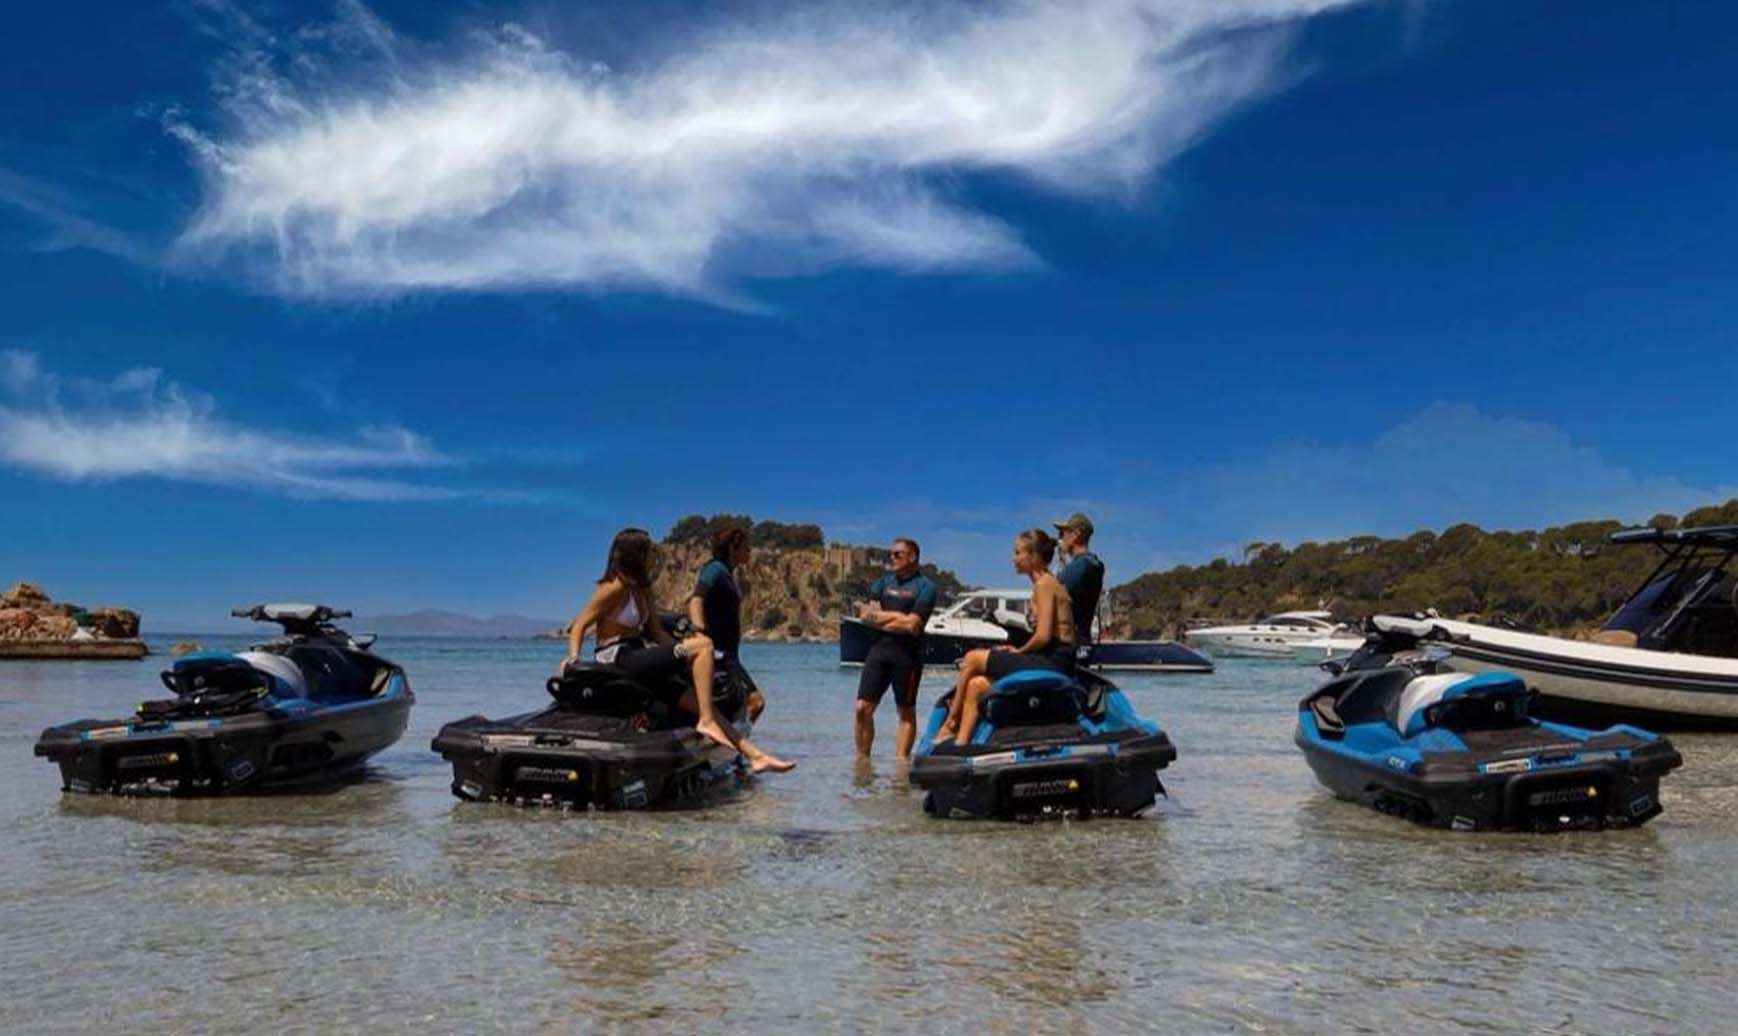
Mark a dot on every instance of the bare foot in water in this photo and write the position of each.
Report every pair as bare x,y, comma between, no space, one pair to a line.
713,731
764,763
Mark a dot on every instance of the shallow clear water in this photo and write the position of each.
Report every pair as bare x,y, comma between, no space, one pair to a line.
1252,901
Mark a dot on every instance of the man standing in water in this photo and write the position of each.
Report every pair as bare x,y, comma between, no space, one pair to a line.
1082,575
899,604
715,607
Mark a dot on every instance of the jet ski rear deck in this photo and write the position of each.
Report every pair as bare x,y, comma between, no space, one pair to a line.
606,743
1048,746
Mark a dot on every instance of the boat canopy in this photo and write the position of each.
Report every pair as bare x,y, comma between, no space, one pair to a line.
1717,537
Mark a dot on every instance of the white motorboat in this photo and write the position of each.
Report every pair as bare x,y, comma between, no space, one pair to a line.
1272,636
1667,660
1314,652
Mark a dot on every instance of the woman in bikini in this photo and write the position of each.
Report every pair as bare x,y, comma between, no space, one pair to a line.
1051,645
631,638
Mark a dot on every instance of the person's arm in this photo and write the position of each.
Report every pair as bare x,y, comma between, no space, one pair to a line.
601,599
697,599
914,620
655,625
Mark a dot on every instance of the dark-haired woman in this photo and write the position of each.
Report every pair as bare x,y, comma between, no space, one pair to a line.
1051,645
631,638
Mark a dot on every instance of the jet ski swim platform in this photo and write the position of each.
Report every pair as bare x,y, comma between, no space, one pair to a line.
606,742
1461,751
1047,746
309,706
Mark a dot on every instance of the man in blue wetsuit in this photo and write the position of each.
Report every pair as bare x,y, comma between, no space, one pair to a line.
1082,574
899,605
715,607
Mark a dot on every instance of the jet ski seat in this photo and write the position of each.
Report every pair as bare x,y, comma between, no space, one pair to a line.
1461,701
330,677
287,680
600,689
1034,697
1361,698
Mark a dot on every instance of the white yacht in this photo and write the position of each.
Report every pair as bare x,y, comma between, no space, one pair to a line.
1269,637
1313,652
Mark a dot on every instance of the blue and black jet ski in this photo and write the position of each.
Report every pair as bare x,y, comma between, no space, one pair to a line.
308,706
1396,730
1047,745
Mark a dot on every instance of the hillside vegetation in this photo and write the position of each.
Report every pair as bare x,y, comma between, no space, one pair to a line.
1563,579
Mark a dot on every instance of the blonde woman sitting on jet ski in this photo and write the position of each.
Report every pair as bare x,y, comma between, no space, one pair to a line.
1051,645
631,638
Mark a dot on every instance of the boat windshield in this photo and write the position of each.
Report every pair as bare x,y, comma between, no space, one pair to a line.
1688,608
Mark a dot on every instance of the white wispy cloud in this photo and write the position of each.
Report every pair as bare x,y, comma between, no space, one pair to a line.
68,226
793,140
141,424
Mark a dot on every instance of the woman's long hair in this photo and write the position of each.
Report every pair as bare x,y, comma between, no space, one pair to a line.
1039,542
630,559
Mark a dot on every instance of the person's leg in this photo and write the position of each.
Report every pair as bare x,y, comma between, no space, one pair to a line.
905,701
974,693
759,760
698,650
865,727
971,666
878,673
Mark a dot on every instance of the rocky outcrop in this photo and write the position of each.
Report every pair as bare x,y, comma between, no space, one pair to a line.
34,625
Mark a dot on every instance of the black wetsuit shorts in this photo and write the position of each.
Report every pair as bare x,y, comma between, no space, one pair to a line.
891,664
657,667
1058,658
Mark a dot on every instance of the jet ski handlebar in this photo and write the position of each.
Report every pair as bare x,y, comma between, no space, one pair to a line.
292,615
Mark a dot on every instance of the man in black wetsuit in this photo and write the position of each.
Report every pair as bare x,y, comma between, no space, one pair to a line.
899,604
1082,575
715,607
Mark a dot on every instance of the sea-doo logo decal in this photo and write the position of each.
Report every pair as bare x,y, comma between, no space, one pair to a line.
104,733
140,762
552,774
1509,766
1563,796
1035,789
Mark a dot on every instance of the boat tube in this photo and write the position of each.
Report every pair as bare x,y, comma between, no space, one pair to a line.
1667,659
310,705
1048,745
1396,730
606,742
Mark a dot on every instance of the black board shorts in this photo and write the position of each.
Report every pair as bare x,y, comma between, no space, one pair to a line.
1058,658
655,666
891,664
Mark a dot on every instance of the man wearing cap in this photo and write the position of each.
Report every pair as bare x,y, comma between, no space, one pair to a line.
1082,573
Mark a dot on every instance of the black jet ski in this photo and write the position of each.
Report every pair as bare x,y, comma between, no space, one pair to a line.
1396,730
606,742
310,705
1047,745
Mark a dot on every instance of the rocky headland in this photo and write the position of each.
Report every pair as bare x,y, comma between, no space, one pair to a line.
794,587
34,625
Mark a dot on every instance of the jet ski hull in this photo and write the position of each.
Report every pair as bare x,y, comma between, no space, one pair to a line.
278,745
550,758
1104,763
1502,770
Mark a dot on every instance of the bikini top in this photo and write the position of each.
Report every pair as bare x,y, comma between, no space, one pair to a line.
628,615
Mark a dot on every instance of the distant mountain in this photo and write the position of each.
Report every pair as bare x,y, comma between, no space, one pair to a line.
434,623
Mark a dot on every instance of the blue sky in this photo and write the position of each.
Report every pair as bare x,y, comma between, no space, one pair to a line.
402,305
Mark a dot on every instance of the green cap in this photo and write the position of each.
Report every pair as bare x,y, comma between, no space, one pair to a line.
1075,521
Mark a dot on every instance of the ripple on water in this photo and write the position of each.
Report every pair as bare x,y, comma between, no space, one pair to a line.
1251,902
